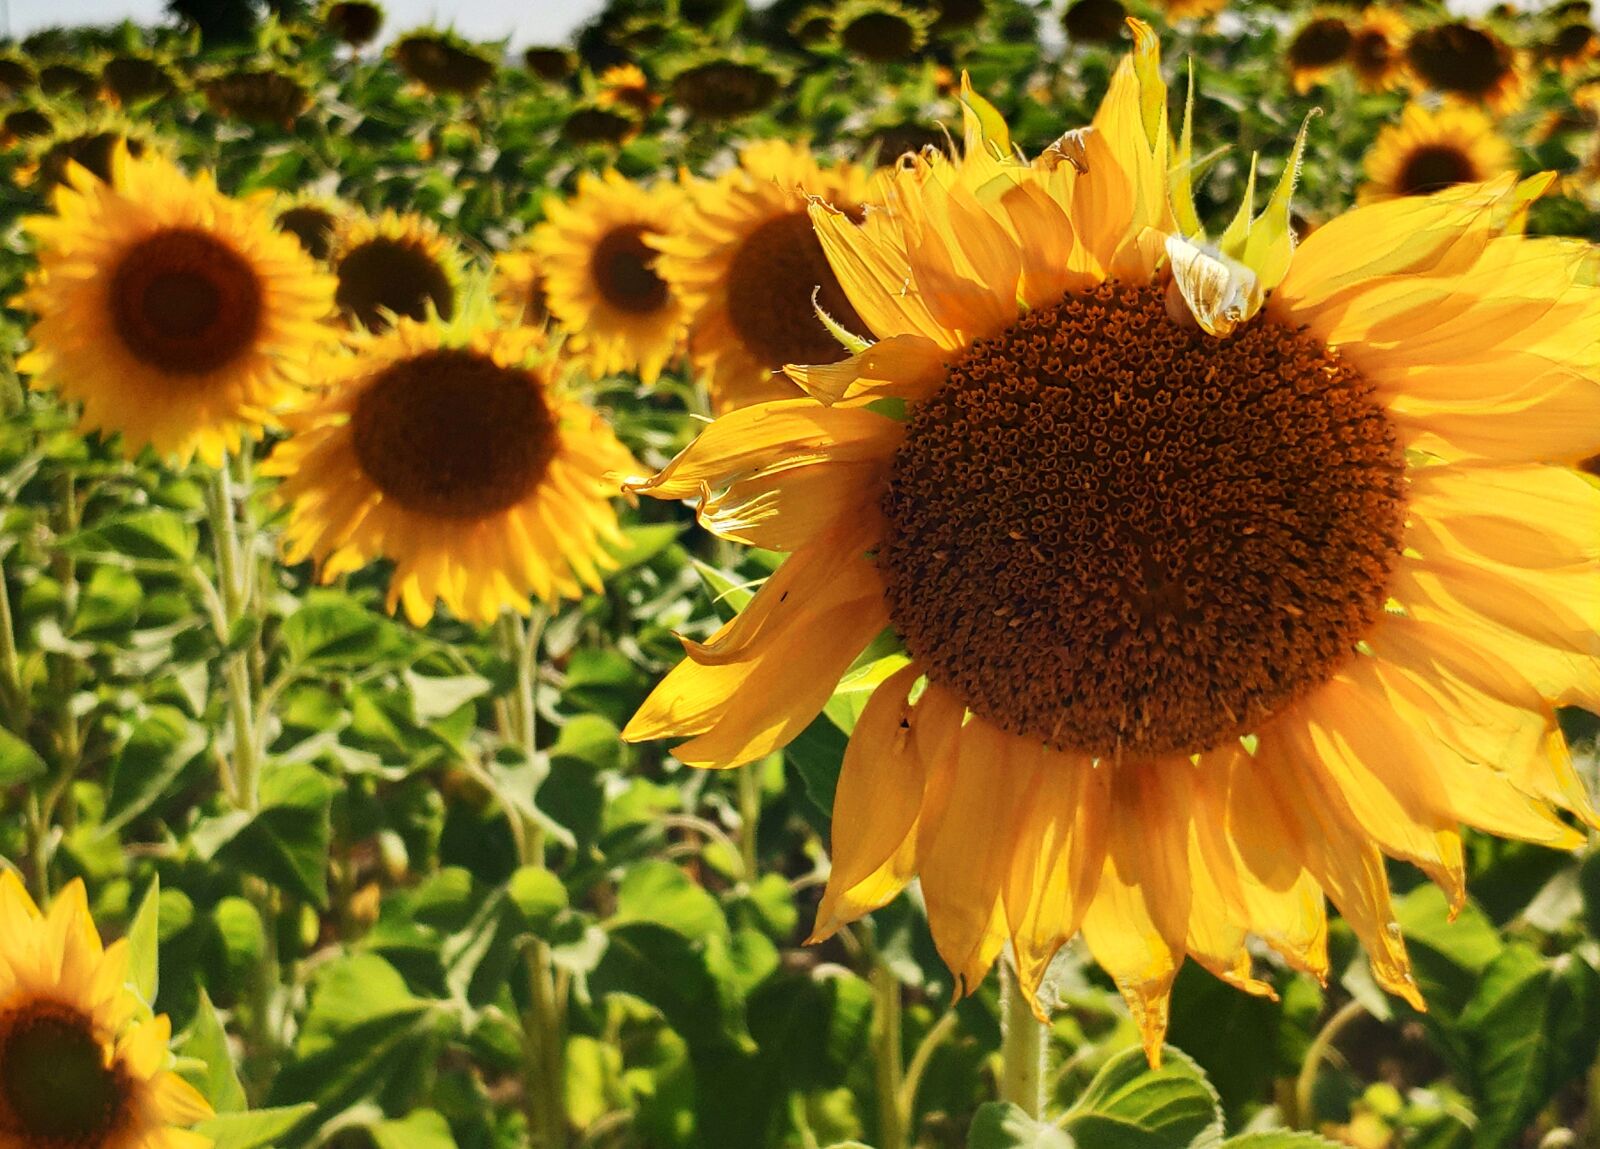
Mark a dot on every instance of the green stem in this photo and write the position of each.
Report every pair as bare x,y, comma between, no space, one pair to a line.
1305,1085
544,1080
13,694
887,1057
749,814
1022,1047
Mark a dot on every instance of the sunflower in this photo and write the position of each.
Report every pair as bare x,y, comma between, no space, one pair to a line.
17,75
746,264
519,288
313,220
175,315
1316,51
1573,47
441,64
1469,63
1428,151
882,31
1191,9
725,87
133,79
1220,568
600,274
590,124
88,142
394,265
356,22
457,456
626,85
25,123
61,78
1095,21
1378,49
550,62
81,1063
257,95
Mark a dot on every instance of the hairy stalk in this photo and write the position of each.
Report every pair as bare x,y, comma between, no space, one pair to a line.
888,1062
543,1024
1022,1047
749,814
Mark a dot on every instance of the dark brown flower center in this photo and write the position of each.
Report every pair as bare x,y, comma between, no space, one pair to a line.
770,283
354,21
880,35
1459,58
441,66
56,1087
93,151
1371,54
1435,167
311,226
1095,21
724,89
132,78
185,302
598,126
1122,536
624,272
1321,43
452,433
391,274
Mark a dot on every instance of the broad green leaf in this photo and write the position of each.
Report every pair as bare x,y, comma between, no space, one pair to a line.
670,971
152,535
594,1080
254,1129
162,743
206,1044
144,936
1131,1106
659,892
434,697
538,895
1002,1125
287,841
19,762
1279,1139
419,1129
644,542
108,603
332,630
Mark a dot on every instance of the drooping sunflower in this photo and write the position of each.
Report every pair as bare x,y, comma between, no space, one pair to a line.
394,265
65,78
1572,47
133,78
81,1063
1095,21
519,287
1316,50
257,95
313,220
1428,151
442,64
882,31
1378,49
627,85
17,75
550,62
1467,62
177,316
600,276
590,124
89,142
356,22
746,264
457,455
726,87
25,123
1221,568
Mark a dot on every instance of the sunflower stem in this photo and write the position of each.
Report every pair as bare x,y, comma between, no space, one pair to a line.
749,815
1022,1047
233,592
13,693
1305,1085
544,1043
887,1056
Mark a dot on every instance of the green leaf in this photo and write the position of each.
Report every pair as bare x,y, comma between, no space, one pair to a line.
645,542
287,841
254,1129
419,1129
1279,1139
332,630
152,535
18,761
162,743
659,892
206,1045
1002,1125
538,895
144,936
434,697
1131,1106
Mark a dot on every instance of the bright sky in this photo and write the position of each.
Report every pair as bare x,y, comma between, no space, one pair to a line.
525,21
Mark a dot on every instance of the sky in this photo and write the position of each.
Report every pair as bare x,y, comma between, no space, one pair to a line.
525,21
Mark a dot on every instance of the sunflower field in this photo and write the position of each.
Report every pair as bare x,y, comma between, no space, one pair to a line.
909,574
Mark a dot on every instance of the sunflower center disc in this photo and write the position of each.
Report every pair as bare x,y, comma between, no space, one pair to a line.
624,272
390,274
1320,43
1117,535
1458,58
184,302
770,282
452,433
1433,168
56,1084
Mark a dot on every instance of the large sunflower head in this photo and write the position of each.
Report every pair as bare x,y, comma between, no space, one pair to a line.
751,274
442,64
257,95
175,315
1219,568
82,1065
355,22
1378,48
1467,62
1320,46
395,265
134,78
601,283
1430,150
882,31
457,456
